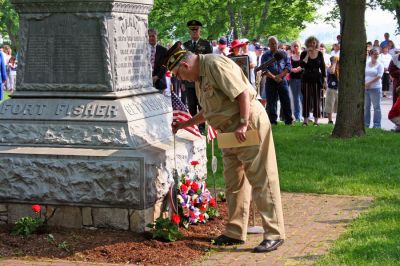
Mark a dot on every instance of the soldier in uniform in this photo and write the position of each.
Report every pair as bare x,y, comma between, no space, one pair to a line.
195,45
229,104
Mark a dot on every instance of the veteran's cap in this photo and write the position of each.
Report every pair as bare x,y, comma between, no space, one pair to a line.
174,55
194,24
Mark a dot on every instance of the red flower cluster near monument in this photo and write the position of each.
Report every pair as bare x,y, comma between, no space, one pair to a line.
195,203
36,208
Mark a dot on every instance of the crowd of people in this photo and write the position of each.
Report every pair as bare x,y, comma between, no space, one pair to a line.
8,70
305,80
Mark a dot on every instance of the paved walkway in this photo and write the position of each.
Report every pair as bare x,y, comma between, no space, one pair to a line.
312,223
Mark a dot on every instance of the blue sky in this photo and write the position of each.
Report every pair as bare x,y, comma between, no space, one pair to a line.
377,23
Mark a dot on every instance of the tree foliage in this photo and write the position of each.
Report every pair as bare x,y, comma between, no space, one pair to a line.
244,18
9,22
390,5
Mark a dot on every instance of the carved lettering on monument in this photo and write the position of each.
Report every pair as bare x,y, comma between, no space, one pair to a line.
61,110
64,49
148,105
132,62
23,109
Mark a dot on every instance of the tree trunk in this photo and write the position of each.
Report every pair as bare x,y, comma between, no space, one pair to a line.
263,19
350,116
397,10
232,19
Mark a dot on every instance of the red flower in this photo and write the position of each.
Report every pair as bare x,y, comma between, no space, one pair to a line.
212,202
183,188
36,208
188,183
176,219
203,208
201,217
194,163
195,186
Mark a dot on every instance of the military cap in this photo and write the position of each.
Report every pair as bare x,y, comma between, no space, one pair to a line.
194,24
174,55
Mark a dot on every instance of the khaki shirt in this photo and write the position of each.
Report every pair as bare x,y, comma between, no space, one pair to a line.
221,81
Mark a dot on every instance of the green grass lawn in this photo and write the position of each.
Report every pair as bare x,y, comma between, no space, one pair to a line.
6,95
310,160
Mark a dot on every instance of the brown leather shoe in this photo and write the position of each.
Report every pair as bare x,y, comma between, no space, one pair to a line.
268,245
223,240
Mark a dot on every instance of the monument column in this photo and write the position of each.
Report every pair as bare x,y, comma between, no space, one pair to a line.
85,133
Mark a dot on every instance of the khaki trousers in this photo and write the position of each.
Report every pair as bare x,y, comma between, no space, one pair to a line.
253,169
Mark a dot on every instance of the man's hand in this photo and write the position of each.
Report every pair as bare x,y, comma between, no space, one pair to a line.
176,126
240,133
155,78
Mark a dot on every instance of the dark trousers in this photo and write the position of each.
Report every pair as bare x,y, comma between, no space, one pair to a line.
193,104
273,91
385,82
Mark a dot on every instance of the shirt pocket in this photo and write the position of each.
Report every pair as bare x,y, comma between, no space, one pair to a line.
210,99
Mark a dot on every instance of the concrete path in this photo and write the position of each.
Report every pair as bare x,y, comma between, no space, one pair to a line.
312,223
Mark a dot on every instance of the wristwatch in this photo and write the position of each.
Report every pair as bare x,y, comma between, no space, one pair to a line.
243,120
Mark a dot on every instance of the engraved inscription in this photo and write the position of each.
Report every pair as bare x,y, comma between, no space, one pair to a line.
64,49
146,106
132,60
60,110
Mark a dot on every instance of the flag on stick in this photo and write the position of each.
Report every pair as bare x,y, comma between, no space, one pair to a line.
181,114
211,133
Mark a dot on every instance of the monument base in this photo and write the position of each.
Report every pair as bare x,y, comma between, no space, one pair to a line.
80,187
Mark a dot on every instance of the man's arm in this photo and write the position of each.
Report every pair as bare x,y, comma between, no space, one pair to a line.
195,120
244,108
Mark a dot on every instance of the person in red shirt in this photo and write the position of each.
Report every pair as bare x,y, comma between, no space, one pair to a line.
394,113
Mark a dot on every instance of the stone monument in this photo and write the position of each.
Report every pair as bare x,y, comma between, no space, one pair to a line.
85,134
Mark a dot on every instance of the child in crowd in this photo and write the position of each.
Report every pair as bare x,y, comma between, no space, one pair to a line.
12,73
331,101
394,113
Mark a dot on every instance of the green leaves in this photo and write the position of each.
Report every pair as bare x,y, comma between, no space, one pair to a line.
9,22
249,18
27,226
165,229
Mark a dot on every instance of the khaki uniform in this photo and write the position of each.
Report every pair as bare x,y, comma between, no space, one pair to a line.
221,81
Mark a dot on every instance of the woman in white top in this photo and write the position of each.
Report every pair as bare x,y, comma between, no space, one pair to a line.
373,87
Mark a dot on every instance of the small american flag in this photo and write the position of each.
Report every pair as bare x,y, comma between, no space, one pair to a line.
211,133
181,114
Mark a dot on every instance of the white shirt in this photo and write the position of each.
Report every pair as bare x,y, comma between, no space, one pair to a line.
371,72
334,53
385,60
253,60
225,51
327,59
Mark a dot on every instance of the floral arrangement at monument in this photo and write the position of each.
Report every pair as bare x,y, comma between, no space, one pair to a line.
195,203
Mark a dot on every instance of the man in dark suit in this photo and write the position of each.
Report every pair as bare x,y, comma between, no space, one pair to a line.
157,54
195,45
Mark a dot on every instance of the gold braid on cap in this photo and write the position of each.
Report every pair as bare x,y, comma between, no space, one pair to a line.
175,59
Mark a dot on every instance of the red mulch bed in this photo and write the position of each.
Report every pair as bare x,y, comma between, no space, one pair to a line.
111,246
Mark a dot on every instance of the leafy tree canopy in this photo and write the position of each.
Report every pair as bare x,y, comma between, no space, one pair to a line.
8,21
246,18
